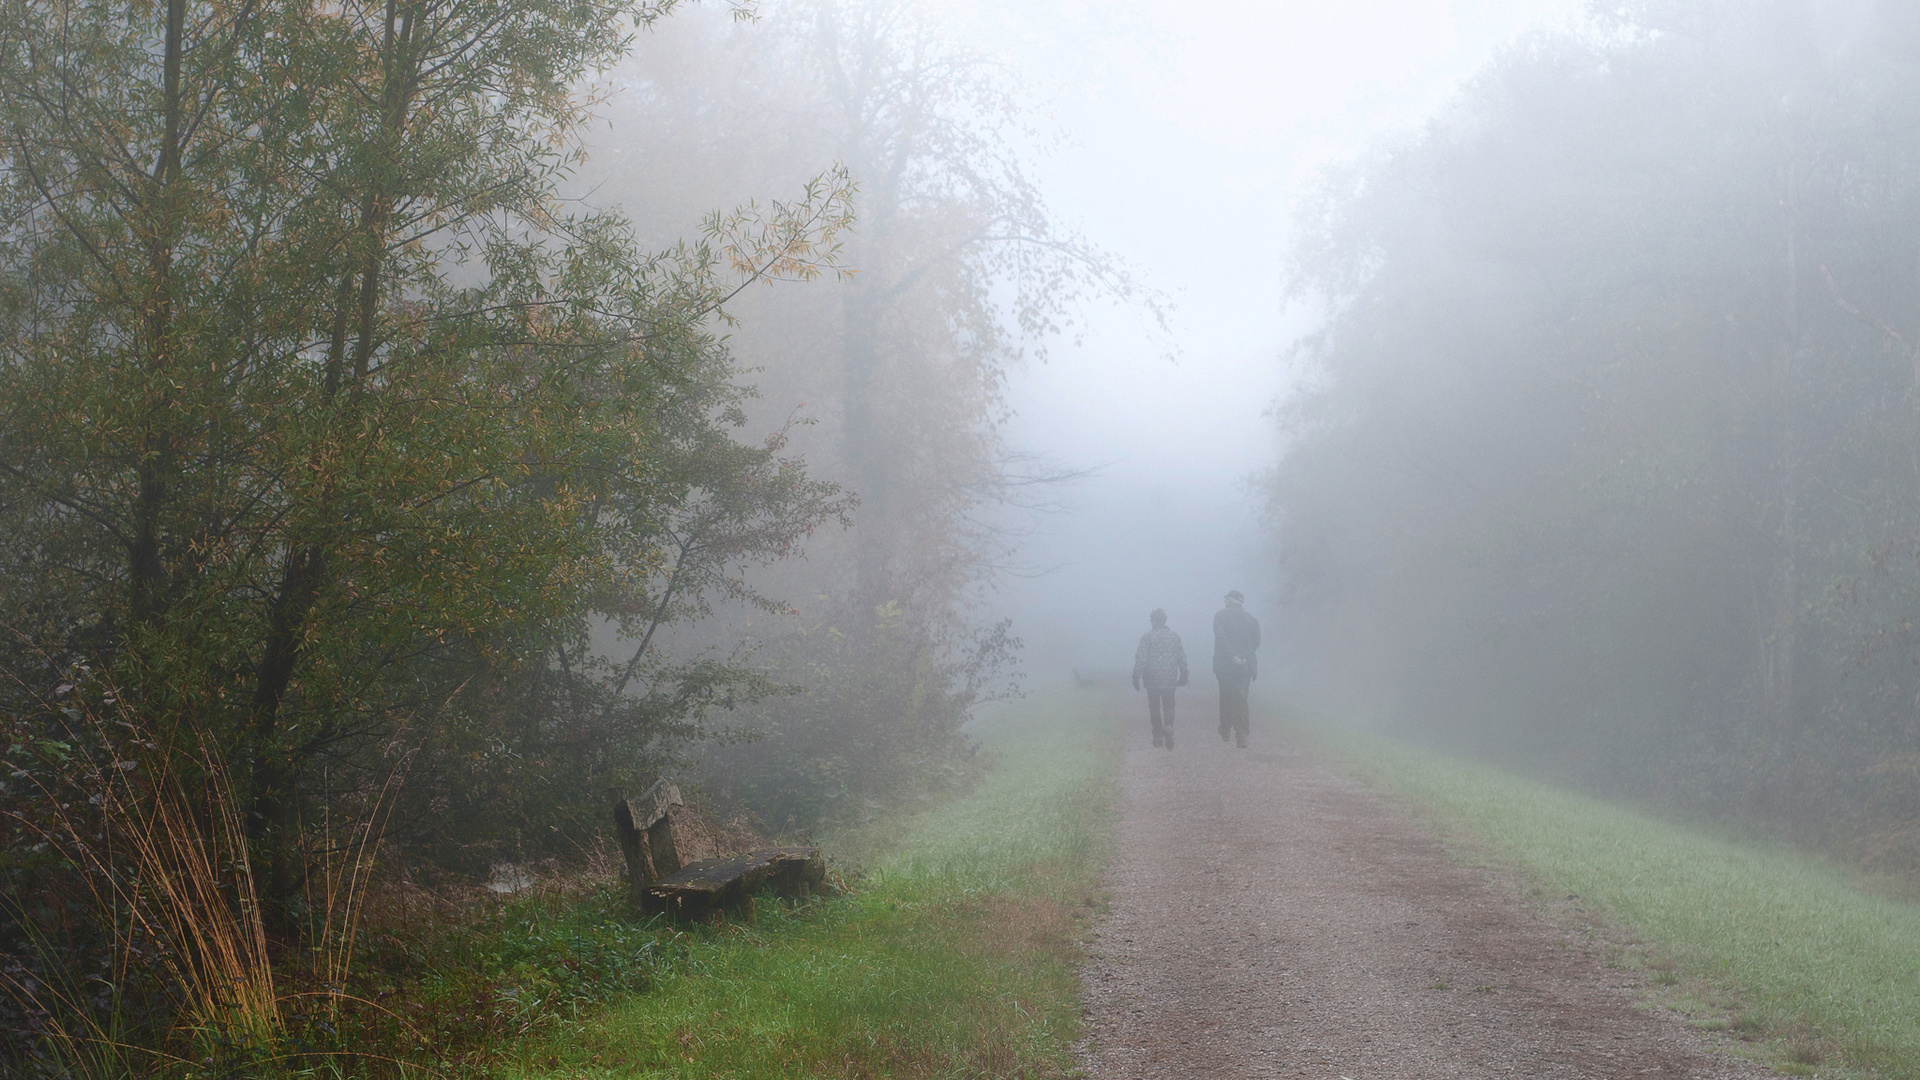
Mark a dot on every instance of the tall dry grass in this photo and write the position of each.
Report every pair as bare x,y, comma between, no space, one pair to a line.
153,829
154,832
341,866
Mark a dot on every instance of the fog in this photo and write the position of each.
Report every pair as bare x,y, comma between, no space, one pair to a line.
1152,160
752,393
1395,317
1179,143
1193,135
422,424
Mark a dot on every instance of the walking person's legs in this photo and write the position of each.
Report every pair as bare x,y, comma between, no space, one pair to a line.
1154,714
1233,710
1162,717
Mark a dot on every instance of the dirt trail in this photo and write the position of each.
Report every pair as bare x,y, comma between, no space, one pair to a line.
1271,919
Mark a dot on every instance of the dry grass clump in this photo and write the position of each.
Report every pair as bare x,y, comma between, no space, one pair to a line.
153,835
149,852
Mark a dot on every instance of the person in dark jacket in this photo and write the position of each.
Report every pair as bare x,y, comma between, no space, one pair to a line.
1236,636
1160,664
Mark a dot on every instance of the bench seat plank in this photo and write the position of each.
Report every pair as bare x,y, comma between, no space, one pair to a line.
701,888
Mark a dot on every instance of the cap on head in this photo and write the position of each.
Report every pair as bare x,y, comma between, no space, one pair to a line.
1158,616
1236,597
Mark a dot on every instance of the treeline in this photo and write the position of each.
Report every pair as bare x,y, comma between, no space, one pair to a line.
1609,461
379,478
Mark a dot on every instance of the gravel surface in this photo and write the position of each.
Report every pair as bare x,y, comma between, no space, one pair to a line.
1272,919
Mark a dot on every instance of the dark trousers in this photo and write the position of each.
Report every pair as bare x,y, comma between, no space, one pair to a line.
1233,705
1160,711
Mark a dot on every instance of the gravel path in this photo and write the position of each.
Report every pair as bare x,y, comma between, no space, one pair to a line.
1271,919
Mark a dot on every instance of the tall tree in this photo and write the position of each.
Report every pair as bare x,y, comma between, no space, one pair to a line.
326,423
963,273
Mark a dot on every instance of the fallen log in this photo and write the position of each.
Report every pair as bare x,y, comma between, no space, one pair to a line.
706,888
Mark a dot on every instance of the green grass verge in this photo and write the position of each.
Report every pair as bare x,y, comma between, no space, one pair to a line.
1774,944
954,956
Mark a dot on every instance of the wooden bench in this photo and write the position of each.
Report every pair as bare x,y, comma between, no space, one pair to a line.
703,889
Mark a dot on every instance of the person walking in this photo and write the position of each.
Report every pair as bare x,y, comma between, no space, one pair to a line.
1236,636
1160,664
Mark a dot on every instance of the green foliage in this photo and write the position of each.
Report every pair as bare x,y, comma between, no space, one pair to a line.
332,434
463,990
341,444
328,432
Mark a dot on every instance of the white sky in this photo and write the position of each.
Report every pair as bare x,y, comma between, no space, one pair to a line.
1193,130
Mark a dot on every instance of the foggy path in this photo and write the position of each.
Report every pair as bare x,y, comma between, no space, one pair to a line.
1271,919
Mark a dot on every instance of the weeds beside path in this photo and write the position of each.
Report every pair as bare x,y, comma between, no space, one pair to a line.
956,955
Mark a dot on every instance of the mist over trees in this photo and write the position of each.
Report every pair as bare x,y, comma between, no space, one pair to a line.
1610,458
389,459
894,382
390,464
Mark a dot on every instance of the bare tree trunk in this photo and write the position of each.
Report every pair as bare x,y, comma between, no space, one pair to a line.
1781,654
146,569
273,810
862,442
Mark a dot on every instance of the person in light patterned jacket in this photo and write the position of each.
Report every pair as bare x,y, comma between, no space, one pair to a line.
1160,664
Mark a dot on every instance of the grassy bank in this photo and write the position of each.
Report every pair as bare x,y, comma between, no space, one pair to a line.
954,956
1779,947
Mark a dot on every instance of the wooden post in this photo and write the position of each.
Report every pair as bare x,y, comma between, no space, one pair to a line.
645,826
633,845
666,854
